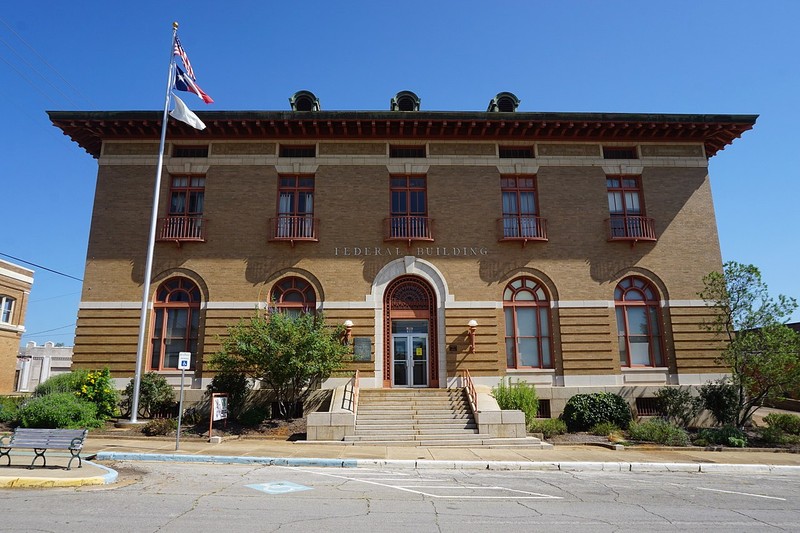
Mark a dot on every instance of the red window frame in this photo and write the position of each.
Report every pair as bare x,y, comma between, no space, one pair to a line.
293,295
626,185
635,294
537,299
518,224
195,184
295,184
172,297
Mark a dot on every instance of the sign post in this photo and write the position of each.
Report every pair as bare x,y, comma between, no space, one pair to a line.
184,361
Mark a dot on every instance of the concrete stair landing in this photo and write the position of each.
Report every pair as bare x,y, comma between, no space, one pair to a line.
421,417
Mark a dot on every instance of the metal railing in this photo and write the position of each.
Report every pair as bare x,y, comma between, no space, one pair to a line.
350,397
407,228
469,385
631,228
294,228
522,228
182,228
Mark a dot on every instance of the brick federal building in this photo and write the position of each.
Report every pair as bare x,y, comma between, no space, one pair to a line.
563,249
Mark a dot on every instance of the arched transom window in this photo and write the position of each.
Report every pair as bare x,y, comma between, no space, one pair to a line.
527,317
176,318
294,296
638,323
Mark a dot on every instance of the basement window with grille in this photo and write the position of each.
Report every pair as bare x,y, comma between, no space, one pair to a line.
299,151
190,151
648,407
516,152
620,152
407,151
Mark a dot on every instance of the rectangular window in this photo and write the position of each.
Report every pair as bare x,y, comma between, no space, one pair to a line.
407,151
626,208
409,211
620,152
295,207
185,220
190,151
520,208
6,309
516,152
298,151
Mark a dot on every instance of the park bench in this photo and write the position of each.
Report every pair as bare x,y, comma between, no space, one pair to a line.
41,440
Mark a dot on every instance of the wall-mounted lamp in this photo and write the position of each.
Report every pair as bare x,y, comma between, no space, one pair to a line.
348,331
473,326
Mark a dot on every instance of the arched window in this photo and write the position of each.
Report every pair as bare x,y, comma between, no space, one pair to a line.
527,315
176,316
638,323
294,296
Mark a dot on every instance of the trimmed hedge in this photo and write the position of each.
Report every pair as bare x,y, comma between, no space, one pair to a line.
59,410
584,411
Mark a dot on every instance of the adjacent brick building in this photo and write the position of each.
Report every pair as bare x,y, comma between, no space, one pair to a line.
15,290
565,249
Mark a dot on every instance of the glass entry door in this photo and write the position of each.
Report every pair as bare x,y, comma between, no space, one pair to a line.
410,353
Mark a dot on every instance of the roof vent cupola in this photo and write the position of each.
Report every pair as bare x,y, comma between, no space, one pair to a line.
504,102
304,101
405,101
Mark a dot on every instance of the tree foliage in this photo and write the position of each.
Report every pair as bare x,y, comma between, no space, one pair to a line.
288,354
762,353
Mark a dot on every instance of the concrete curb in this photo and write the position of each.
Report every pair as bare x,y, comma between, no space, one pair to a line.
552,466
22,482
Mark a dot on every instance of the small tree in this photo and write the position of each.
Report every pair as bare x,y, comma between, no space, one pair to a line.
288,354
762,352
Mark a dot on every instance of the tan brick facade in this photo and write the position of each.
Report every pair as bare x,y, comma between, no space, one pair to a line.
466,265
15,289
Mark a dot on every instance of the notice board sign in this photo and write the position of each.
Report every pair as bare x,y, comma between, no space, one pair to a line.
362,349
220,408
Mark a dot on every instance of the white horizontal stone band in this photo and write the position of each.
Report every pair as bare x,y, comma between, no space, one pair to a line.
16,275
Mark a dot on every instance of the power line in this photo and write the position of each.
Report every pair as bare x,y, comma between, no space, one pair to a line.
40,266
48,330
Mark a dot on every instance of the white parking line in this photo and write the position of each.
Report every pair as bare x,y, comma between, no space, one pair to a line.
513,493
743,494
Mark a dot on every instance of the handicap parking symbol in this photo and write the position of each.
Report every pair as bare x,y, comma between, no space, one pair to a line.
278,487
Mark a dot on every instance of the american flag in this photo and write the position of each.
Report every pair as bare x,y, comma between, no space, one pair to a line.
179,51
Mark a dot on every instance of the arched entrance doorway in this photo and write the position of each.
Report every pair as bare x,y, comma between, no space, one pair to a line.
410,357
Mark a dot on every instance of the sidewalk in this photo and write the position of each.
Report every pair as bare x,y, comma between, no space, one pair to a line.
264,451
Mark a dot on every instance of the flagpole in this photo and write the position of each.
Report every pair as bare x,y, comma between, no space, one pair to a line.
148,269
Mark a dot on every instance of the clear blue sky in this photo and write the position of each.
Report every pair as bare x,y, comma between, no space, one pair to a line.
730,57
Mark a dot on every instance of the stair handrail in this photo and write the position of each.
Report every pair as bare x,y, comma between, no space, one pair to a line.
350,397
470,386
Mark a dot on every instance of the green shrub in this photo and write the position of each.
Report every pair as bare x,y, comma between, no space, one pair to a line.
722,400
605,429
252,417
548,427
160,427
659,431
96,387
9,409
785,422
59,410
726,436
156,397
237,386
69,382
584,411
678,405
517,395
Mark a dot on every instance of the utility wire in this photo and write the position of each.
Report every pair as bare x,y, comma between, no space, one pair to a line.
43,60
40,266
45,78
48,330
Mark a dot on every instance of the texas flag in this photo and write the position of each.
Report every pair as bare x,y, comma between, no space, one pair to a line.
184,83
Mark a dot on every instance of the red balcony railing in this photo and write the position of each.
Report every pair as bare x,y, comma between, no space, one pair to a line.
522,228
407,228
182,229
631,228
293,228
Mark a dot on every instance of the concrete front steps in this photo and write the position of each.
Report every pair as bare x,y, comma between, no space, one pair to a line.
422,417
